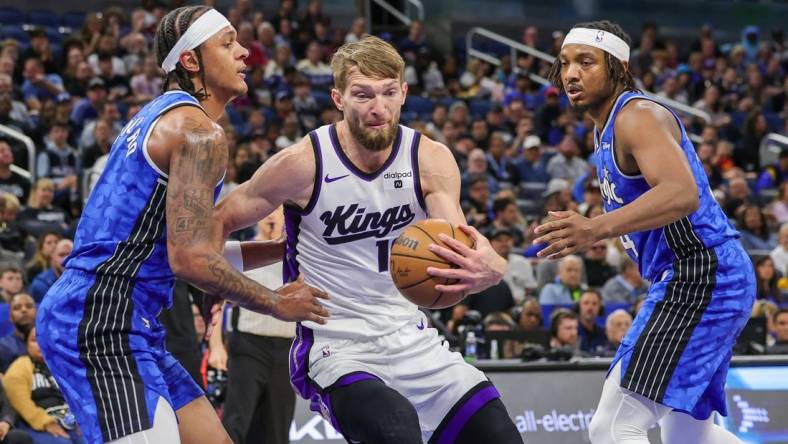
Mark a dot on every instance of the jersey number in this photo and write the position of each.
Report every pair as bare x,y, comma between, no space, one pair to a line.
383,254
628,244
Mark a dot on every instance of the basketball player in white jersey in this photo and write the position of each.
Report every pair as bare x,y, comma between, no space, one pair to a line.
349,189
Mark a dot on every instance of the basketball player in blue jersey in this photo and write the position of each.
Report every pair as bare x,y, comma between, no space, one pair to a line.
375,370
671,367
149,219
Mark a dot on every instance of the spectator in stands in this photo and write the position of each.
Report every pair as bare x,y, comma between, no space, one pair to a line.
39,85
76,83
568,289
45,246
773,175
546,118
87,108
598,270
33,392
291,132
532,166
12,237
103,136
22,314
508,217
11,282
530,317
107,50
755,234
60,163
780,322
42,282
147,84
498,163
17,113
9,417
563,329
10,181
315,69
589,309
766,278
755,128
738,195
40,215
496,298
780,253
257,57
117,83
567,164
779,208
499,321
477,207
357,30
520,275
625,287
616,328
306,107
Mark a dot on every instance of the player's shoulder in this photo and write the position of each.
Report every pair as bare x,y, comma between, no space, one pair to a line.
433,154
296,162
641,111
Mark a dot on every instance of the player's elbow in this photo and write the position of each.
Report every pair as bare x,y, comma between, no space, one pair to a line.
187,263
688,203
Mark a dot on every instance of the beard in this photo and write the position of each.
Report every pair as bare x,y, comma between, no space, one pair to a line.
373,140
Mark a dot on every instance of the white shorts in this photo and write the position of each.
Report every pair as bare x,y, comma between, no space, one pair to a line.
444,389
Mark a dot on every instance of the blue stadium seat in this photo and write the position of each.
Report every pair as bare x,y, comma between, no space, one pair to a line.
44,18
322,98
419,105
73,19
479,107
15,32
11,16
55,37
775,122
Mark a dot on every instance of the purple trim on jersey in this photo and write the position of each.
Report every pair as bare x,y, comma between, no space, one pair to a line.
461,416
299,362
318,173
414,161
292,229
332,131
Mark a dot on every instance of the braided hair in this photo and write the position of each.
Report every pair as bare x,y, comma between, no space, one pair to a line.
170,29
616,70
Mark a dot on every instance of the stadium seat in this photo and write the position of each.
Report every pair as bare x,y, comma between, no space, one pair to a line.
44,18
73,19
419,105
775,122
55,37
11,16
480,107
15,32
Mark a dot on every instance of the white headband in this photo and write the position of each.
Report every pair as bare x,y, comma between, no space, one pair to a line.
597,38
201,30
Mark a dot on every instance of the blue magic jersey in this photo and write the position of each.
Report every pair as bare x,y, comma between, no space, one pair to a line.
656,250
122,231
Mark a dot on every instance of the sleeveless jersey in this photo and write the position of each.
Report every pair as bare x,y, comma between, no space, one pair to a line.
122,231
341,240
656,250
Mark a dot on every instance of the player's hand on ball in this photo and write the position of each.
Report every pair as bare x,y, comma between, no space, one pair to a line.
568,232
480,267
298,301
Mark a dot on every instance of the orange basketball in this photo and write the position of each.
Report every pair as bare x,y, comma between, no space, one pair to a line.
410,259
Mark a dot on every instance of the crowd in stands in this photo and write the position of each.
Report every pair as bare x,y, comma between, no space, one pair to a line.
520,150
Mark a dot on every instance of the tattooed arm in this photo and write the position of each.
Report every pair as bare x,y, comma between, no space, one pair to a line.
198,158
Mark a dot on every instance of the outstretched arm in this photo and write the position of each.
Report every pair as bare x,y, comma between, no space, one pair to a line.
195,241
648,133
480,267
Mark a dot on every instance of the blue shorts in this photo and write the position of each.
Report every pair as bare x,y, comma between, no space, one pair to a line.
107,353
680,344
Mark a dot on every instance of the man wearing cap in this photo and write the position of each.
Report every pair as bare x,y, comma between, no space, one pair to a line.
532,166
148,220
672,365
774,175
87,108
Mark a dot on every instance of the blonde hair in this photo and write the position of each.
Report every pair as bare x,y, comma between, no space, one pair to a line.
372,56
10,202
32,201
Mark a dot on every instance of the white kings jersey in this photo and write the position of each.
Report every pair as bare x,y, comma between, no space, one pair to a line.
340,241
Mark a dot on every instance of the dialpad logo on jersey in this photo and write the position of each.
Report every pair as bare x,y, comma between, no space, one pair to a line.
348,224
608,189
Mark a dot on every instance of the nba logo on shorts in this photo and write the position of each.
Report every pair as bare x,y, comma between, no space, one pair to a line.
397,183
